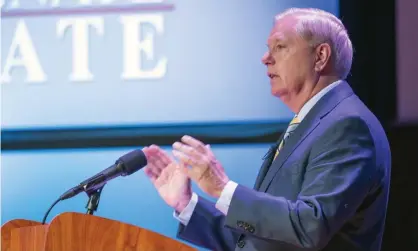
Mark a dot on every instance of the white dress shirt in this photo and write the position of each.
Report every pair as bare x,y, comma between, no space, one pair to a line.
226,196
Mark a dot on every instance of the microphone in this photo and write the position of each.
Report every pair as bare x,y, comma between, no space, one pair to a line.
124,166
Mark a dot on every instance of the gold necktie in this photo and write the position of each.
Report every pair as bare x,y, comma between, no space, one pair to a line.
292,126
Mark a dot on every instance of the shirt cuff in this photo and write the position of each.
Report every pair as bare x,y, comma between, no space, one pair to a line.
226,196
186,214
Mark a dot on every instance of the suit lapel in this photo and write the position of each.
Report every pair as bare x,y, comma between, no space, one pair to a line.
303,130
268,158
328,102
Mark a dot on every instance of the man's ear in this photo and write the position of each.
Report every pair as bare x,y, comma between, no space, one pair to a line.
322,56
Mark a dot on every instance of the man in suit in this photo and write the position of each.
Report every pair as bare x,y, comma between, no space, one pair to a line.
324,186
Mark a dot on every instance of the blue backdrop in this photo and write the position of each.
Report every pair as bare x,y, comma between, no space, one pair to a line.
198,61
32,180
97,65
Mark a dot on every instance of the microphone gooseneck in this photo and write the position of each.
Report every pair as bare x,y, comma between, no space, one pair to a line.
124,166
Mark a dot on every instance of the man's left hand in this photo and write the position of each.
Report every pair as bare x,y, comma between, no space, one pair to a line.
201,165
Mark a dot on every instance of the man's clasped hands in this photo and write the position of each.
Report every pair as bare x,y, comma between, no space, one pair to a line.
172,178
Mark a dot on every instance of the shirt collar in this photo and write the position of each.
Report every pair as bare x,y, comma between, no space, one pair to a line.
311,102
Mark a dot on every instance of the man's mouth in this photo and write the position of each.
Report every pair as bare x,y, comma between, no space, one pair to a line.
272,75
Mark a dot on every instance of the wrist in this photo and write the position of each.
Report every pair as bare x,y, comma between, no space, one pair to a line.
182,204
220,189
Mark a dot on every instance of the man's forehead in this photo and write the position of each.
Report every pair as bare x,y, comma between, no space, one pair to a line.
276,36
283,29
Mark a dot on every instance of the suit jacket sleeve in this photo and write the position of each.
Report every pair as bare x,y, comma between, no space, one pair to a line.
206,228
337,179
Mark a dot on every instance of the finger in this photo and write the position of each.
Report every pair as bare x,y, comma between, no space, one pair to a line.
159,164
186,149
155,166
199,146
209,151
186,159
156,156
147,151
150,174
151,151
213,158
164,157
186,171
154,148
194,174
161,154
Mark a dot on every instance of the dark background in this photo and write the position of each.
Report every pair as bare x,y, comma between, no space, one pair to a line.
372,27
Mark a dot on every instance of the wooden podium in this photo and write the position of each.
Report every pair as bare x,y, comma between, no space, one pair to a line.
82,232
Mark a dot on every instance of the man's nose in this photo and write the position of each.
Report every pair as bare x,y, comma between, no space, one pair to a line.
267,59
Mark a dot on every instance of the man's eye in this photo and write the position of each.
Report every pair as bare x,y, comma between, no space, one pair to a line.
280,46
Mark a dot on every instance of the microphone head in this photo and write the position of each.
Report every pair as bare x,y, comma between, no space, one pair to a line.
132,162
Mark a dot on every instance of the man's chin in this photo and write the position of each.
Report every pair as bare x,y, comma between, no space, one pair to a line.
279,93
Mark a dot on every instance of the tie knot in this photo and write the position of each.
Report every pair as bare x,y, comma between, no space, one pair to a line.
292,126
295,120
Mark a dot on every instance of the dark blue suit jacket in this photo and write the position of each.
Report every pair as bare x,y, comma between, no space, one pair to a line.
327,189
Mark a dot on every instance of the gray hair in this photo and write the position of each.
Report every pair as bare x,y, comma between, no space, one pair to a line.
318,26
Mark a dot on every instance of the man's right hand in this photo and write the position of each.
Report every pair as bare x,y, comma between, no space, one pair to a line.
167,177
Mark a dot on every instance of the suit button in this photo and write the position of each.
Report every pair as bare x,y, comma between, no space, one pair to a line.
241,244
251,229
240,224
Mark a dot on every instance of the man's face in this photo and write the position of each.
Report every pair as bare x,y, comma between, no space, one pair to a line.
289,60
